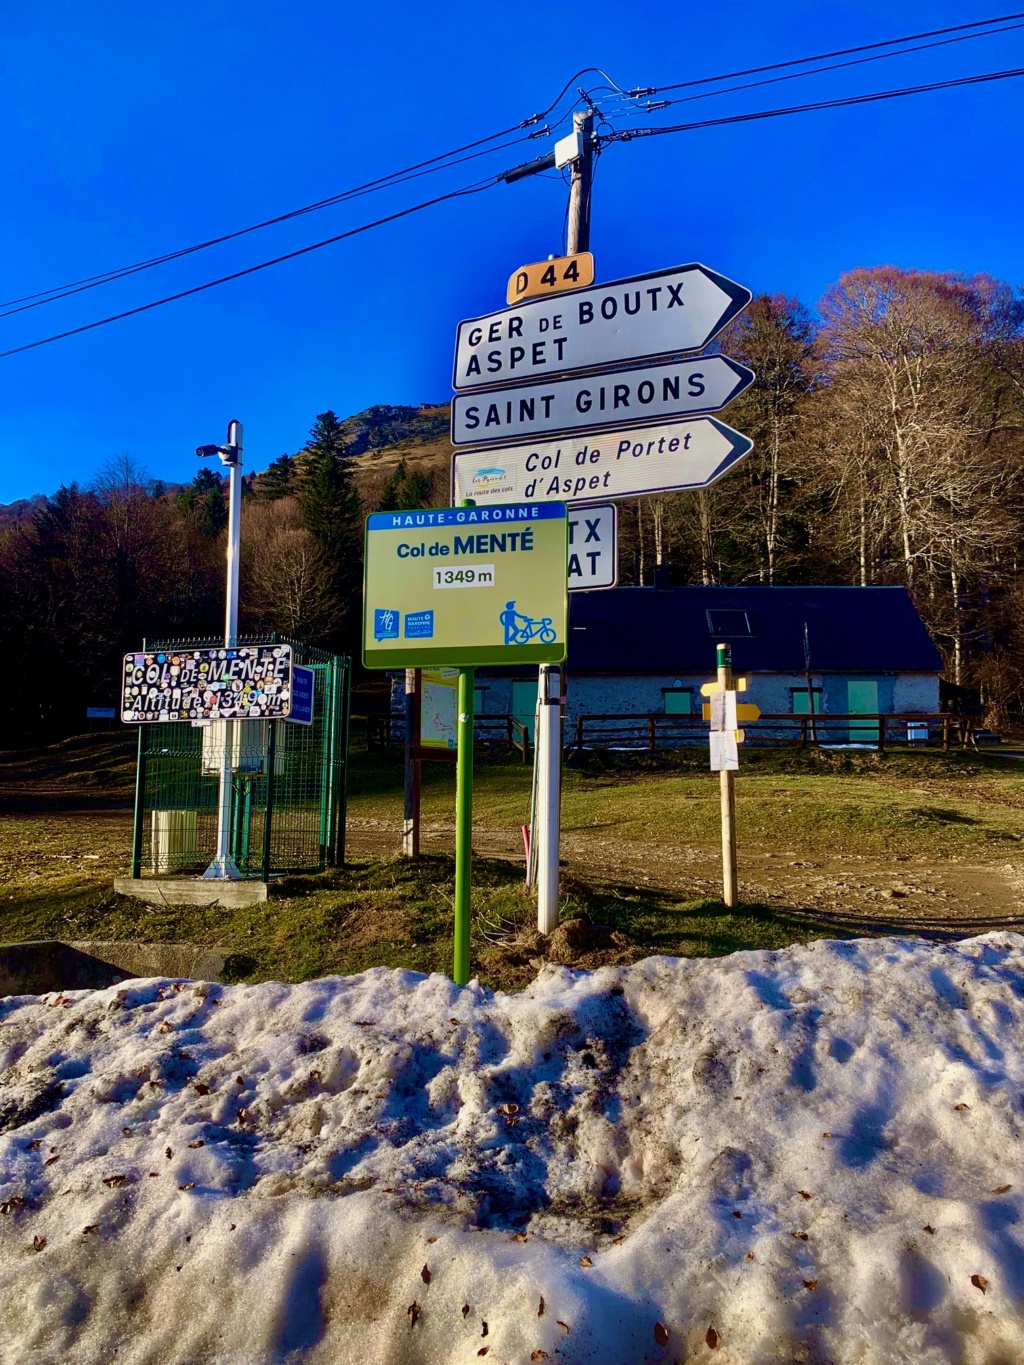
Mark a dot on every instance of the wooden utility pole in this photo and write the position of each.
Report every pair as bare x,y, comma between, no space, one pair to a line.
578,238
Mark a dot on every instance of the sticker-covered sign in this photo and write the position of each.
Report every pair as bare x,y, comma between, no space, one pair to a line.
248,682
460,586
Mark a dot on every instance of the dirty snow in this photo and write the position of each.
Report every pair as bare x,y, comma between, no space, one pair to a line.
811,1155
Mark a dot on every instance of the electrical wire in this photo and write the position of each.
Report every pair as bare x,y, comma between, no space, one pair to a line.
252,269
383,182
837,66
628,134
357,192
824,56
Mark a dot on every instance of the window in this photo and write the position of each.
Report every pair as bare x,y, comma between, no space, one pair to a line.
799,695
677,700
722,621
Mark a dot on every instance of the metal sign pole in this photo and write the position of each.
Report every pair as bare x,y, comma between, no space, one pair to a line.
464,824
547,750
727,782
224,866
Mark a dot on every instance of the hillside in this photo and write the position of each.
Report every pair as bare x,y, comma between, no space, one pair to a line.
382,436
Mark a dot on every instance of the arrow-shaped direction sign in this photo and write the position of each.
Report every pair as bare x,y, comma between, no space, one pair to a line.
618,464
585,402
660,314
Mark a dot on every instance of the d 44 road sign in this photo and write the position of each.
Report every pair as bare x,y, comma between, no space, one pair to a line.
661,314
551,277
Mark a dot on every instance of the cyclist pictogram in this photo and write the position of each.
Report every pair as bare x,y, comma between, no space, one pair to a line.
521,629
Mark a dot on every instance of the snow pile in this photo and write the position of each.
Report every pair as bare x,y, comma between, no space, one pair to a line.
812,1155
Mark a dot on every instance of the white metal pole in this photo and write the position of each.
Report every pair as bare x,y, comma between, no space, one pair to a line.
548,751
224,867
549,794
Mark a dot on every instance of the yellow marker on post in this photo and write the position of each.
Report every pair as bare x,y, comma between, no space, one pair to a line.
551,277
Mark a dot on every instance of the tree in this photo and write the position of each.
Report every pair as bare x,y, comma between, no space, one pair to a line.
917,415
332,513
279,479
776,337
204,503
403,489
288,580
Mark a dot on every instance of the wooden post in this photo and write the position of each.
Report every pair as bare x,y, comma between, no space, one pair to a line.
728,794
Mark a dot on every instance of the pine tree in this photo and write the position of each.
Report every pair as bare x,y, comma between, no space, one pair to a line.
203,500
403,490
279,479
332,512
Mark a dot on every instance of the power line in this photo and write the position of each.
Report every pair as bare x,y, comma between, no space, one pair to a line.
836,66
59,292
824,56
252,269
628,134
384,182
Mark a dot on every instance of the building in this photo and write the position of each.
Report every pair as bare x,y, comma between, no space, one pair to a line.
644,651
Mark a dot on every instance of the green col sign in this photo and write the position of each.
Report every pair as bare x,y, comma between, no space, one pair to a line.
461,586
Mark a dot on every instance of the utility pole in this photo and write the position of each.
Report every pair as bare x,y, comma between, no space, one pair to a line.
548,740
224,867
578,238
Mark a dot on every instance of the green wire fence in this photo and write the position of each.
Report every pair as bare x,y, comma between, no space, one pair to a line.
287,790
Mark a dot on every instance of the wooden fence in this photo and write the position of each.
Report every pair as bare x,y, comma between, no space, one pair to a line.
654,730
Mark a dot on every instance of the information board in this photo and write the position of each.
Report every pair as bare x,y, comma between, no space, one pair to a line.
461,586
250,682
437,708
301,712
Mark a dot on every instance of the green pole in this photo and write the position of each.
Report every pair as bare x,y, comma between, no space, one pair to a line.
140,803
463,823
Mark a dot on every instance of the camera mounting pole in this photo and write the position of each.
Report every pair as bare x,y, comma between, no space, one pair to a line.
224,867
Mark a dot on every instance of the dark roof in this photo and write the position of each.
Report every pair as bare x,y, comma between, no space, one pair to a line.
675,630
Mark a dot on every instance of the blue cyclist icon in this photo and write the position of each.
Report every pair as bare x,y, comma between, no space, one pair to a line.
520,629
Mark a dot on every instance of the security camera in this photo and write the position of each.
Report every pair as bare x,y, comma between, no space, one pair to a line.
204,452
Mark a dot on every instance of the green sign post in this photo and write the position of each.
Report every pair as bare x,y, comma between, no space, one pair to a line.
463,587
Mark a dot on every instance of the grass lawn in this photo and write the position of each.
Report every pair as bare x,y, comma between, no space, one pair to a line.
640,838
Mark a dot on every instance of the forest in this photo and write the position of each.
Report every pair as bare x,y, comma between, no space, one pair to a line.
888,425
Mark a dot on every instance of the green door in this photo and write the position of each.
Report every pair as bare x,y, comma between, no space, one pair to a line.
862,700
524,704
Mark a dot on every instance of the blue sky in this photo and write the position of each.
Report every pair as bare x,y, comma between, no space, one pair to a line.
135,130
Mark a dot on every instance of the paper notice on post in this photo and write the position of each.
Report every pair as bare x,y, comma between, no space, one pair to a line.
723,711
725,753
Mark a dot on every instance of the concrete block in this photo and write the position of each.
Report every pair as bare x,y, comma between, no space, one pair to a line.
192,891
